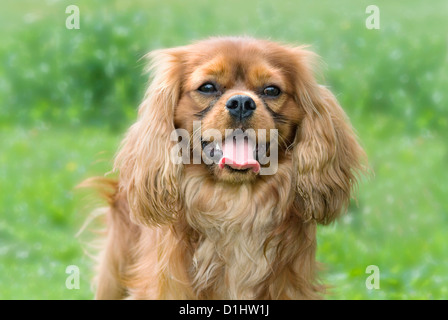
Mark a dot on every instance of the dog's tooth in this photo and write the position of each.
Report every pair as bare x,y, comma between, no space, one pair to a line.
217,155
260,151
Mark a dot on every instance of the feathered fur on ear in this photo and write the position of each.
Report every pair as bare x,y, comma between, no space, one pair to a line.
147,174
326,155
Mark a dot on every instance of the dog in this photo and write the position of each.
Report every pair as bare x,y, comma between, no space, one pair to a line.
236,218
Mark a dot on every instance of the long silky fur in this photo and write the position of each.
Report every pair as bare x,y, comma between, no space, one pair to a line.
174,232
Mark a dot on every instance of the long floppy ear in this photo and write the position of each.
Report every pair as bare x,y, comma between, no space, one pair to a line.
147,174
327,155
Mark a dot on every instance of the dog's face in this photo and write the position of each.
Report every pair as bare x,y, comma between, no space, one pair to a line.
253,99
244,91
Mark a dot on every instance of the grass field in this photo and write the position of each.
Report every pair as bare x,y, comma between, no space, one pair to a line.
67,97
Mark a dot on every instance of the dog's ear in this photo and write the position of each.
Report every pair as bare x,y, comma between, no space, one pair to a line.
326,155
147,174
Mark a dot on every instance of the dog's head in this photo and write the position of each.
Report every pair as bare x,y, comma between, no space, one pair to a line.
244,108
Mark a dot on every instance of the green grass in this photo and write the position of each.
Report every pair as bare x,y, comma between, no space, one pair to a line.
400,222
42,211
67,96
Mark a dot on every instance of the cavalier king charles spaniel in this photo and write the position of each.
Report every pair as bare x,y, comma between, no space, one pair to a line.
237,154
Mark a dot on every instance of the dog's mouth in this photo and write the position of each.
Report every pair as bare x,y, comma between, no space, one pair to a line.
237,153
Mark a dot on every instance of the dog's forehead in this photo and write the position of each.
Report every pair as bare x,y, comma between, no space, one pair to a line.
230,62
222,65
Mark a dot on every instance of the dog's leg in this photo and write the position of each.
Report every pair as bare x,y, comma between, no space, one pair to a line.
115,258
108,284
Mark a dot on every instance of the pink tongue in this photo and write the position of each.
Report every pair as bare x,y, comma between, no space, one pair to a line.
239,154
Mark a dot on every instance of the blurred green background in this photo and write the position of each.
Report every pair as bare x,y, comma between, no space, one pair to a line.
67,97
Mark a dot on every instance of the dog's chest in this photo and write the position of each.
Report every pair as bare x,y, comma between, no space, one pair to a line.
232,266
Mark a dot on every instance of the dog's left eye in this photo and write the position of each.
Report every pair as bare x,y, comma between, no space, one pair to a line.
208,88
271,91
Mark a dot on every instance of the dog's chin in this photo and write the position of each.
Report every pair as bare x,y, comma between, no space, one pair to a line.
231,175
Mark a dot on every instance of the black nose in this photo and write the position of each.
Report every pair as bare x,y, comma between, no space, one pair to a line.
241,107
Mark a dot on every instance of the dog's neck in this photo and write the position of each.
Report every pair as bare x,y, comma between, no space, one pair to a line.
241,228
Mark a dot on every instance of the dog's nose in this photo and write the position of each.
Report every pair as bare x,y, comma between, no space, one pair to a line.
240,106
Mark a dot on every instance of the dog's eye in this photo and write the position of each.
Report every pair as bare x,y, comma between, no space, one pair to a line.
271,91
207,88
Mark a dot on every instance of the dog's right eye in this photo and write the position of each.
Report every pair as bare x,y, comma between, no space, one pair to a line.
207,88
